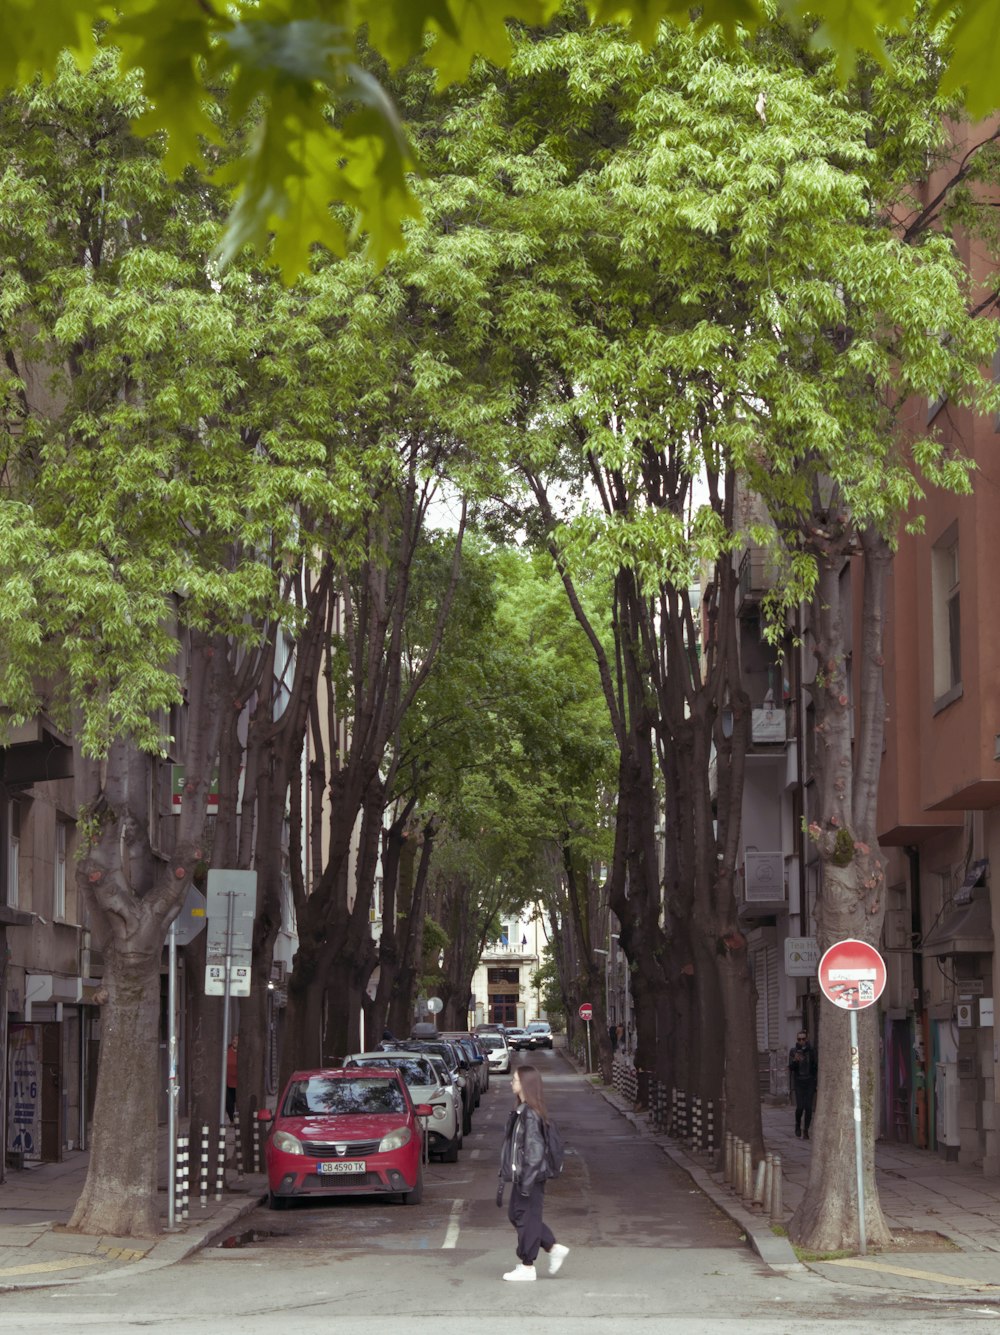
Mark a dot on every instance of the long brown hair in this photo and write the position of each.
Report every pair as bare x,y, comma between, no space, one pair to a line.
531,1090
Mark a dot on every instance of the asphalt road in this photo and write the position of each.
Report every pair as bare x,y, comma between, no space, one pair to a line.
648,1253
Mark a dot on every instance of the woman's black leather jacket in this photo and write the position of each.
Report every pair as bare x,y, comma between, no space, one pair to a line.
522,1158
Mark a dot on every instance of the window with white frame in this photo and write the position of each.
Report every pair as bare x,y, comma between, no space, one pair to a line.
59,873
13,852
946,609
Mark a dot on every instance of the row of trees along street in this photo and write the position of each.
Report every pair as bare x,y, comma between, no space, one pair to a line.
644,282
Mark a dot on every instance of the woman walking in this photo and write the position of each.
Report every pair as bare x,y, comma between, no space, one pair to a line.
524,1164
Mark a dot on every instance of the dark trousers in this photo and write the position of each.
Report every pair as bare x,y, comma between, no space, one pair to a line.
230,1102
525,1213
804,1095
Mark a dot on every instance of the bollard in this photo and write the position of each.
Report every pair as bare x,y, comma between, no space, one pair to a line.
239,1143
696,1122
737,1165
220,1164
710,1127
184,1160
747,1192
760,1184
203,1177
727,1159
777,1209
256,1145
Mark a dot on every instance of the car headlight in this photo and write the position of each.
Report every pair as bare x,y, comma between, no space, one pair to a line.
395,1140
440,1112
286,1142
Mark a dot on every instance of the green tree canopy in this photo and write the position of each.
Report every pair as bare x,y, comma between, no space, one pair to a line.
329,133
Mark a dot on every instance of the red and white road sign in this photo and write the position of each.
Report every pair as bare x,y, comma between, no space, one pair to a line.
852,975
586,1011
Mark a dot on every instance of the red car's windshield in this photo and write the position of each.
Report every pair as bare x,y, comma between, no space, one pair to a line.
320,1096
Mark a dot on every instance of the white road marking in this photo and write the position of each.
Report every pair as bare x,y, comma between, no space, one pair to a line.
451,1233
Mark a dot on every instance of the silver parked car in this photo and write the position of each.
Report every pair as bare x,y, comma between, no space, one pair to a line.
427,1083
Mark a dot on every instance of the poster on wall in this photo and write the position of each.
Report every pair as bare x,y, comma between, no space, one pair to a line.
24,1100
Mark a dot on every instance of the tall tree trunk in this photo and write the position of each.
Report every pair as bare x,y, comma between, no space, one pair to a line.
119,1194
851,902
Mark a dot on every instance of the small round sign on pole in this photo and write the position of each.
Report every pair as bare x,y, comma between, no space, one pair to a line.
852,975
586,1011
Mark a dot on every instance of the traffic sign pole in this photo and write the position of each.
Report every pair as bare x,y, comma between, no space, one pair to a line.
858,1154
586,1015
231,895
852,976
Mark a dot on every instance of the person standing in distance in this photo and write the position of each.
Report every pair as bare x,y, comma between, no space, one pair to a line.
231,1058
802,1072
523,1165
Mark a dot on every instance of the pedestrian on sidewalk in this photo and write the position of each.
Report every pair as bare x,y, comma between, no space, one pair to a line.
524,1164
802,1072
231,1054
613,1037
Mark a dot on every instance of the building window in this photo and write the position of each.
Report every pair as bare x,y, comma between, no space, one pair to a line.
504,976
59,874
14,853
946,610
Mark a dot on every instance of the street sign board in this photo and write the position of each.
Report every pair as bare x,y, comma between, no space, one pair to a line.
586,1011
241,887
192,917
435,1005
239,979
801,956
852,975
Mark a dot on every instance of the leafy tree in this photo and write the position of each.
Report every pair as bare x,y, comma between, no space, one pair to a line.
150,520
329,132
712,281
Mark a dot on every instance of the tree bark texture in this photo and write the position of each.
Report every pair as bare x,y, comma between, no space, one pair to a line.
851,902
134,907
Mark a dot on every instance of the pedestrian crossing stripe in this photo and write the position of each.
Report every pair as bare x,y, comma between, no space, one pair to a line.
47,1267
905,1273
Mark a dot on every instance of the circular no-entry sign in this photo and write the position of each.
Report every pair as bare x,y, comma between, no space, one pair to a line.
852,975
586,1011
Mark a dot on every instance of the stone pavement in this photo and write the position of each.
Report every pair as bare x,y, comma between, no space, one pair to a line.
918,1190
36,1203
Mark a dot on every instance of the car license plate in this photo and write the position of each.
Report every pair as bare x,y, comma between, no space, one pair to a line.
341,1166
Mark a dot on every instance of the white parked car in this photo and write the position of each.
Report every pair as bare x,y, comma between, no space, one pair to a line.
497,1051
427,1083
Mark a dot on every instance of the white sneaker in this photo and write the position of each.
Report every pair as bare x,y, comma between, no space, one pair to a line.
520,1272
557,1254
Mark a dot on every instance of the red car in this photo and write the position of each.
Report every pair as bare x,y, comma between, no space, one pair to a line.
345,1133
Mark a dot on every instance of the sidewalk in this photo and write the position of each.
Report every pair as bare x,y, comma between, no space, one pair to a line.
918,1190
36,1203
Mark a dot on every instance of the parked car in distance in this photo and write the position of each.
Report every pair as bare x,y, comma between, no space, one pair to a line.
477,1061
539,1033
426,1084
345,1132
461,1070
497,1051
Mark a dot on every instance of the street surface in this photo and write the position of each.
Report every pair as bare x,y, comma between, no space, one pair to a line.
648,1253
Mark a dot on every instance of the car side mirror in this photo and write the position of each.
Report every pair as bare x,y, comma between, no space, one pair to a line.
265,1115
424,1110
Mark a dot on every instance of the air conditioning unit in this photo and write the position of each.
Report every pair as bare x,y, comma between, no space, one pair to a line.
764,876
